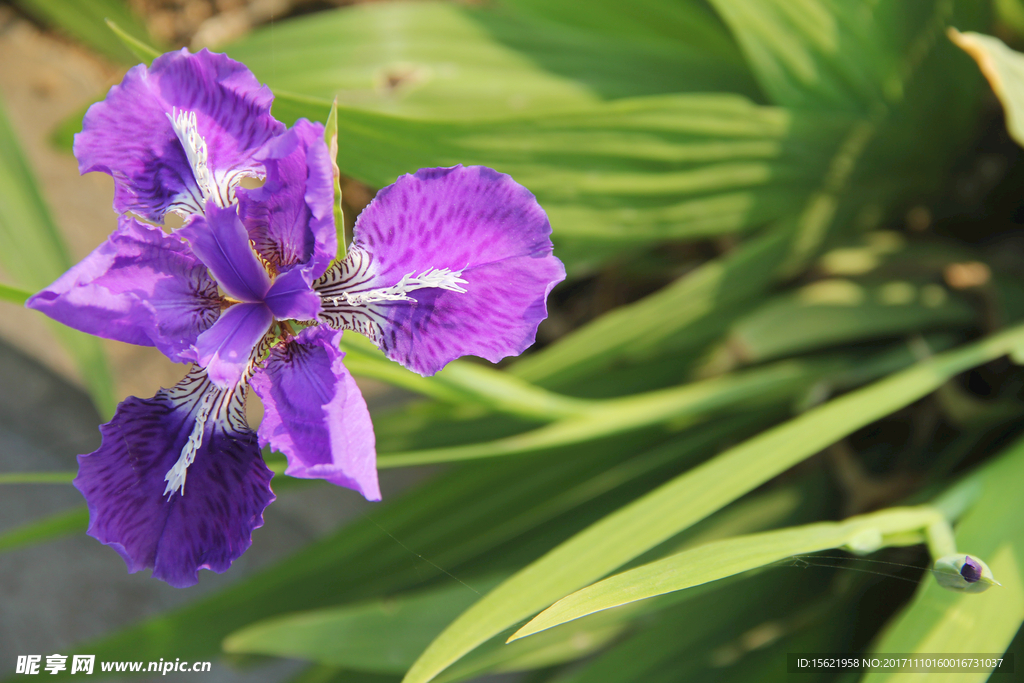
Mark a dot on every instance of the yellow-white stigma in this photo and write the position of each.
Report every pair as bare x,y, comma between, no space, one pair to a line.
175,476
432,278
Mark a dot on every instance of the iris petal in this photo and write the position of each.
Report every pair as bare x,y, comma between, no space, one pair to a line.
291,217
130,134
315,414
225,348
220,241
473,229
292,298
141,286
228,485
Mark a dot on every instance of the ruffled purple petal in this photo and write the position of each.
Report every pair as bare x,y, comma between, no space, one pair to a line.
225,348
473,222
291,217
130,137
227,485
141,286
220,241
292,298
315,414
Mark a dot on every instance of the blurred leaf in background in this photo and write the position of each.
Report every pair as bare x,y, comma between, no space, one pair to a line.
34,255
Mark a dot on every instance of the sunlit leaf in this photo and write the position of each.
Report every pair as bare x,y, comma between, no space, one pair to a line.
383,636
673,507
458,522
725,558
446,61
1004,69
86,21
939,620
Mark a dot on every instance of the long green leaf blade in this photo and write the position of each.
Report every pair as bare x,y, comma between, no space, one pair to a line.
690,497
444,61
725,558
943,621
55,526
87,22
15,295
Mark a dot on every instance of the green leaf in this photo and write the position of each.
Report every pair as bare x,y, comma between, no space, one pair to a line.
840,311
682,406
693,495
1004,69
647,21
387,635
34,256
627,172
61,524
1011,13
142,50
465,383
87,22
731,556
383,636
36,477
839,54
684,315
15,295
470,521
331,138
444,61
939,620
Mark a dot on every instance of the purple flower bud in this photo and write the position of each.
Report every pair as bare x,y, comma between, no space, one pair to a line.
971,571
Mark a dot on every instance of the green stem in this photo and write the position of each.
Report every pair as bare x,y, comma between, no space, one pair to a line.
36,477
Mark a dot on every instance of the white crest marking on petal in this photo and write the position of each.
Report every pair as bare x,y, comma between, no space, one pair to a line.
175,476
351,303
431,278
186,128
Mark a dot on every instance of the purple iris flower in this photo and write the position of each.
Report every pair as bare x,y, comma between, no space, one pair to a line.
179,133
444,263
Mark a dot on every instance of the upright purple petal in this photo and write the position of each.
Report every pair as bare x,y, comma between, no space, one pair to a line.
227,485
315,414
291,217
225,348
141,286
220,241
130,136
472,228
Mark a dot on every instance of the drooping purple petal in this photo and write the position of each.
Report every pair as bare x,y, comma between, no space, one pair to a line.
292,298
315,414
227,486
130,137
470,228
291,217
224,349
141,286
220,241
